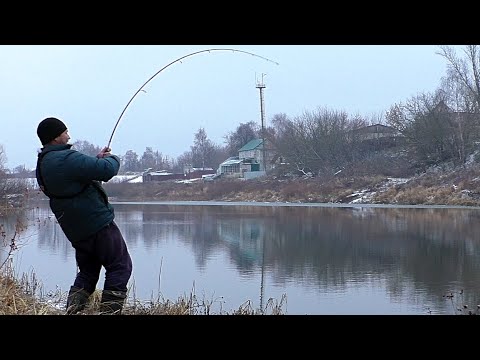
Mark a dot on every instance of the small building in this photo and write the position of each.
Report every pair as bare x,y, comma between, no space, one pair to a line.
254,154
377,136
377,131
230,167
249,162
251,150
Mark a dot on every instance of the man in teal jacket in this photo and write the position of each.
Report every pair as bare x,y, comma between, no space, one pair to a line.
71,180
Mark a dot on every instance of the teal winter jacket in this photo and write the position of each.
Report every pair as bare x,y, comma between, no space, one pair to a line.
71,180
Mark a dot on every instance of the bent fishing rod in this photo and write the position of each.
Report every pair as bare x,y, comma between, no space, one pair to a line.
166,66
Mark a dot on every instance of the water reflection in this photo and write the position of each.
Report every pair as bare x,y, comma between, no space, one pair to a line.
326,260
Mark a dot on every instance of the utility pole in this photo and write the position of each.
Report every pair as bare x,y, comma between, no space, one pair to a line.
261,86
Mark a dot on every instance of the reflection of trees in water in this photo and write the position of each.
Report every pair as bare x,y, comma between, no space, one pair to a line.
38,228
7,230
206,229
192,226
331,247
49,234
243,238
424,248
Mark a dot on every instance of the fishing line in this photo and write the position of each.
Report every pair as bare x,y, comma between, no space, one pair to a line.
166,66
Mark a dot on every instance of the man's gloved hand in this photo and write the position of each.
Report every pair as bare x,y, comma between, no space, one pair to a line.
104,153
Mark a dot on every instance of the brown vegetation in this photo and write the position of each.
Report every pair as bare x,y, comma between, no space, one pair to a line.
456,186
24,297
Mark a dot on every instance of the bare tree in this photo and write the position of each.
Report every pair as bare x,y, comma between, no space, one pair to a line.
183,161
465,71
3,174
444,125
202,150
460,90
148,160
86,147
21,171
289,142
318,142
430,127
161,162
242,135
3,158
11,186
130,161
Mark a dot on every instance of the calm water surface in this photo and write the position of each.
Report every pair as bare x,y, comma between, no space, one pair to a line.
324,260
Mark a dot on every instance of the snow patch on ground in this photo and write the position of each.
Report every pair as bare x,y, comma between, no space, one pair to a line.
366,195
137,178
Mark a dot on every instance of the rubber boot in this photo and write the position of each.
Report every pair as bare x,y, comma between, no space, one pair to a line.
77,300
112,302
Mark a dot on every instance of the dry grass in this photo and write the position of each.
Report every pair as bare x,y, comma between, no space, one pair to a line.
25,296
15,299
270,190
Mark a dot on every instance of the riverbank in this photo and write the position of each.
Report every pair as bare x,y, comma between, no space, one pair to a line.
456,186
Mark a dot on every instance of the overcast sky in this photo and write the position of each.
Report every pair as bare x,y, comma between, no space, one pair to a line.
88,86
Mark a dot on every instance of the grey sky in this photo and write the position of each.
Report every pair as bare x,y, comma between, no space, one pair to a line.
87,86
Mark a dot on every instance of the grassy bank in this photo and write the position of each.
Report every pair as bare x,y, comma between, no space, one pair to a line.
23,296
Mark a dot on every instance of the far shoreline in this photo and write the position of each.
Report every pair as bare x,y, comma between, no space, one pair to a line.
292,204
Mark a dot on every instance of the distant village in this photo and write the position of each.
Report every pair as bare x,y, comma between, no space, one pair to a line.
253,160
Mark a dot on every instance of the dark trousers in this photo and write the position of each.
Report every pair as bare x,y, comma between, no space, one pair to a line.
106,248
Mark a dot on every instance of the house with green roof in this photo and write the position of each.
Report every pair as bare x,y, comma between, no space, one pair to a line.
249,163
251,155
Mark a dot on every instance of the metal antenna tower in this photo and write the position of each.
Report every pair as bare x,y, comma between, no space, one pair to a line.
261,86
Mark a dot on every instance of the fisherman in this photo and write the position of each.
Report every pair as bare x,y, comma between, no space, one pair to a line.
71,180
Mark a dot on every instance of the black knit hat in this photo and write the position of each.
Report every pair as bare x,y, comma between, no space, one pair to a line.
49,129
